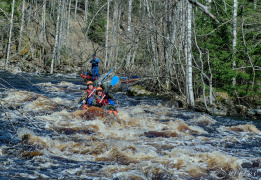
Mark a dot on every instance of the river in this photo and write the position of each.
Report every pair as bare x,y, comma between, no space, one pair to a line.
44,135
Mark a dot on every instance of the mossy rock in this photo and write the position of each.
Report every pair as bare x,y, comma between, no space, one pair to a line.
107,82
223,97
139,91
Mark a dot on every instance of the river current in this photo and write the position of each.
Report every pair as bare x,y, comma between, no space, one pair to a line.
45,135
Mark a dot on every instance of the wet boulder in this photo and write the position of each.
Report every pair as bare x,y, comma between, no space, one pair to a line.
139,91
241,109
223,105
107,82
95,112
216,109
254,113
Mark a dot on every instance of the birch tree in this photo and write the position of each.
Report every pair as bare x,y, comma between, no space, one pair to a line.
22,26
29,16
68,26
152,42
43,31
115,25
127,65
60,33
107,34
234,41
10,34
52,8
86,10
75,10
190,94
56,37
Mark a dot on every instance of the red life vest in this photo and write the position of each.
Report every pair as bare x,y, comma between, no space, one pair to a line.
90,93
102,101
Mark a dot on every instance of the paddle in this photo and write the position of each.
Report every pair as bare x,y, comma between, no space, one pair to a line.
106,75
114,81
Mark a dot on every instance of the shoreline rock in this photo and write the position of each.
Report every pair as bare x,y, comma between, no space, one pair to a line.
223,106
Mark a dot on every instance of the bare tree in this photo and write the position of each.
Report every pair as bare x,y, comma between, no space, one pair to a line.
68,26
107,34
55,49
152,44
10,34
115,25
127,65
22,26
234,41
75,10
189,85
60,39
30,14
86,10
43,31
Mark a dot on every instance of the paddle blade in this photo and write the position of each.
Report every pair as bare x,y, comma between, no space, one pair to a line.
114,80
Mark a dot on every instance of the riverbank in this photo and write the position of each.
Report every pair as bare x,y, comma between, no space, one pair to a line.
223,104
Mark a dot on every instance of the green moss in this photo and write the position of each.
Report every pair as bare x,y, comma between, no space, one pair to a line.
24,50
139,87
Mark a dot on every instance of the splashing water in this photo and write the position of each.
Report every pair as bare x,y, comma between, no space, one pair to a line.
53,138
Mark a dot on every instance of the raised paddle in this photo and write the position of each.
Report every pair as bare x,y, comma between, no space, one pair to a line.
114,81
106,76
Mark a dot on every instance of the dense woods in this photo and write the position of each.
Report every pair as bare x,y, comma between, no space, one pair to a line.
195,48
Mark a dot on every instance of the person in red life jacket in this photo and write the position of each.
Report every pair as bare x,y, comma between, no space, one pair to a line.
100,99
90,93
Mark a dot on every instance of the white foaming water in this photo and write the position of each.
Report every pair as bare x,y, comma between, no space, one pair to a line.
140,142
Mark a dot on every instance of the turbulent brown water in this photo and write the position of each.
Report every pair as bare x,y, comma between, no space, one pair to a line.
44,135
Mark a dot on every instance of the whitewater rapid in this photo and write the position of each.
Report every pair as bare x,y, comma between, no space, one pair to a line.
45,135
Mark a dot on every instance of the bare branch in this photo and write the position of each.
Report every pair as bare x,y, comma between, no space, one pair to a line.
204,9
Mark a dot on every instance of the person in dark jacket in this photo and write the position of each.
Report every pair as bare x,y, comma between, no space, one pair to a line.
95,71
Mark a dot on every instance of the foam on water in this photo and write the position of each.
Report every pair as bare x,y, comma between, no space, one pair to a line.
140,142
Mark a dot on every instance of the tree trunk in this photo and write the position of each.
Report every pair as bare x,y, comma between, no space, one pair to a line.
56,37
10,34
86,10
60,39
114,30
52,7
127,65
117,34
168,44
75,10
29,18
107,34
129,16
234,42
152,43
210,80
43,32
22,26
68,26
190,94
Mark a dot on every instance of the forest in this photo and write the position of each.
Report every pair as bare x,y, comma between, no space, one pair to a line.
193,48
